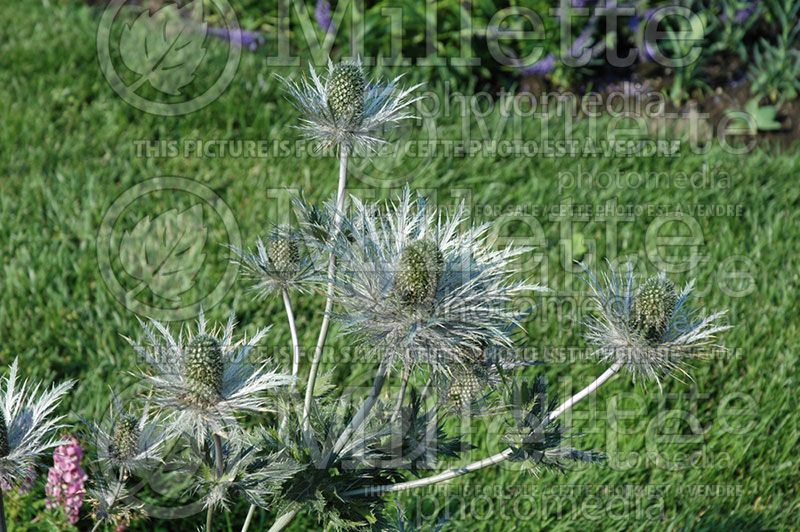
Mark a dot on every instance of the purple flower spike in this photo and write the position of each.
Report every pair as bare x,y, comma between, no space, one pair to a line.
743,15
65,480
541,67
323,15
251,40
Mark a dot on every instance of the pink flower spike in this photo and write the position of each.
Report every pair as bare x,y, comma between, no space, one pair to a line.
65,480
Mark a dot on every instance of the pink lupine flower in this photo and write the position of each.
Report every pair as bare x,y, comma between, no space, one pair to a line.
65,480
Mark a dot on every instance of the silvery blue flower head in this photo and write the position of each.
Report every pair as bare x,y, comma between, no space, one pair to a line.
26,425
129,442
205,378
415,285
280,263
344,109
650,329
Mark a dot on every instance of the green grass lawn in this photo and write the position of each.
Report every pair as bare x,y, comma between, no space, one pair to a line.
68,150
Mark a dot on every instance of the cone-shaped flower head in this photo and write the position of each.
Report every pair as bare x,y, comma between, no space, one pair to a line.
420,270
284,254
279,263
653,306
465,387
345,89
125,438
127,441
3,436
204,379
651,330
343,109
204,367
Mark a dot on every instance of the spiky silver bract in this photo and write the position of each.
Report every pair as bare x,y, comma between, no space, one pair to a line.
327,475
27,411
281,262
651,329
197,411
466,310
534,438
246,472
114,504
343,109
128,442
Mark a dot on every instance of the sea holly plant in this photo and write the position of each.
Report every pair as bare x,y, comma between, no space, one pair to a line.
421,295
27,428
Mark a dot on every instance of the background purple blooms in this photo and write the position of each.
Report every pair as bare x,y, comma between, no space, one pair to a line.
323,15
65,480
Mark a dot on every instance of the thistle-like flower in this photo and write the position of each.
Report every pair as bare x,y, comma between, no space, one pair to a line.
280,263
204,378
651,330
27,425
344,109
129,442
415,286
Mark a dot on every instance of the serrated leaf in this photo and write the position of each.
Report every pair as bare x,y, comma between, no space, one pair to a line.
165,47
165,253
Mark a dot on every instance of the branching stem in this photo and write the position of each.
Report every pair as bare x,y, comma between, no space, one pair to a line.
361,415
287,303
489,461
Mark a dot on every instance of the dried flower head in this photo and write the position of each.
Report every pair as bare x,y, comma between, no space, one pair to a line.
204,378
651,329
416,286
344,109
28,425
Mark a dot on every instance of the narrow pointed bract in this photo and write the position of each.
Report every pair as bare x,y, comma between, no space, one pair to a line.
29,422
